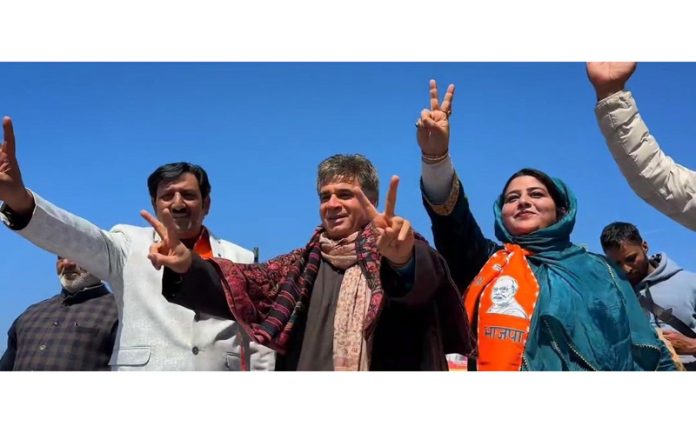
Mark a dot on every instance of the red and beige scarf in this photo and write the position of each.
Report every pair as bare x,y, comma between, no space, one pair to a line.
268,299
350,348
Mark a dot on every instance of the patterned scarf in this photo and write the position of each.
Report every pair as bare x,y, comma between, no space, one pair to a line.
350,348
268,299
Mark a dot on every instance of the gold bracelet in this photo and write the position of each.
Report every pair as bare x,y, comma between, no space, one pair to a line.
428,159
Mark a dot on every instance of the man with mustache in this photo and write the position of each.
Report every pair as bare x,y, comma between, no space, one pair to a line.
153,333
74,330
365,293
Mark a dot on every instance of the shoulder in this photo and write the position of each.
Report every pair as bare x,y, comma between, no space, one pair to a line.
684,278
596,264
132,230
46,303
232,251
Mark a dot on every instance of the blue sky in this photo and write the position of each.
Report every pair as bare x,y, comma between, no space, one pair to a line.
89,134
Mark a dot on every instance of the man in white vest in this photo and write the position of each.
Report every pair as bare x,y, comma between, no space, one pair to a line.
153,333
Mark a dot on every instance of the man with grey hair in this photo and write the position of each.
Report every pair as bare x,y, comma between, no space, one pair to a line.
74,330
366,292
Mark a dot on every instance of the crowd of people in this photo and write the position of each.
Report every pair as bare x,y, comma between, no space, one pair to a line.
367,292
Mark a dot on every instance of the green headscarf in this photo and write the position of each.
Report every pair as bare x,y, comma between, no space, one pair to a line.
587,316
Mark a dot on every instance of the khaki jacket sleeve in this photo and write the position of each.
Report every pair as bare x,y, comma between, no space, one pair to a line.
654,176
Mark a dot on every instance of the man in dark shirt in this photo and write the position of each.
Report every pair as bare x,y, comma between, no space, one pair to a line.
74,330
366,292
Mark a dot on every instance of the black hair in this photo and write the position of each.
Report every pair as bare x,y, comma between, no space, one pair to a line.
617,232
172,171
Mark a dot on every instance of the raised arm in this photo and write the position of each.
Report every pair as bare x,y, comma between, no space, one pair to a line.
12,190
50,227
655,177
457,235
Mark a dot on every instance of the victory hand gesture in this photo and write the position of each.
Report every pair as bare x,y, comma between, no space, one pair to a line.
433,125
12,189
169,251
609,77
396,238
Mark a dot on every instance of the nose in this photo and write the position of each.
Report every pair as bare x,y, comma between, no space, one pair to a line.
178,202
523,201
65,264
333,201
626,269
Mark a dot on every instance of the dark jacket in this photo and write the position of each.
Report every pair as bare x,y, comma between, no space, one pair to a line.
420,321
65,332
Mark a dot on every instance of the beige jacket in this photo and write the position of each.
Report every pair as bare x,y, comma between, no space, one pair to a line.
153,334
654,176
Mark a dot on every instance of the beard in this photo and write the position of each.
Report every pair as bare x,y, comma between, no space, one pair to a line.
73,282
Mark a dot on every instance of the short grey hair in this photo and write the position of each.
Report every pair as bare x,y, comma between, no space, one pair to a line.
342,167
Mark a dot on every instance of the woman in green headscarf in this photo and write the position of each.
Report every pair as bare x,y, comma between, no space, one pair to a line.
538,301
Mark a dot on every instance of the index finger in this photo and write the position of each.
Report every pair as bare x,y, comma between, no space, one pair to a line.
390,205
447,99
160,228
365,202
434,100
8,136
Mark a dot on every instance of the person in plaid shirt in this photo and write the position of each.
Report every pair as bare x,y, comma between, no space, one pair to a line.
74,330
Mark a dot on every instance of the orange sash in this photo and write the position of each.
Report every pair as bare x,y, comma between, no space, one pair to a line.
502,298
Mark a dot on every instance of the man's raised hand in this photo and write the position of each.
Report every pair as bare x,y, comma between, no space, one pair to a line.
12,189
609,77
396,237
169,251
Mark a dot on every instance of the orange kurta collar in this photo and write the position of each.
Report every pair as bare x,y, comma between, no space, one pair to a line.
202,246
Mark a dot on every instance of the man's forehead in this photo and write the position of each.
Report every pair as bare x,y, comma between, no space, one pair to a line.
187,181
626,247
339,183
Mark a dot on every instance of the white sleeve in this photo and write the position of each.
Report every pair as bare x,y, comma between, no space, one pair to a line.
437,180
100,252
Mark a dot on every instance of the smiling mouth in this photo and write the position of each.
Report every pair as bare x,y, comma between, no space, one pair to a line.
183,222
524,214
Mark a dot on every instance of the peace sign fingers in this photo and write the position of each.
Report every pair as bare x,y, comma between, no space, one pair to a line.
396,241
164,230
446,105
434,98
170,251
371,210
447,100
433,126
390,206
